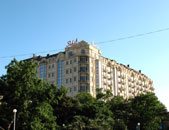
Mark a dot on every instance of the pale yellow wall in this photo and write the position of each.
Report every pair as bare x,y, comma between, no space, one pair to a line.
130,83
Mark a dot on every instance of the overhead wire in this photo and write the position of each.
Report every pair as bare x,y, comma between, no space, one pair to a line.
97,43
133,36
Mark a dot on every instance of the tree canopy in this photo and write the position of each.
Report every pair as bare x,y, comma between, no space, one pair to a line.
43,106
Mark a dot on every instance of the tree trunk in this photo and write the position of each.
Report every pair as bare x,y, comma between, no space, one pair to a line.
9,126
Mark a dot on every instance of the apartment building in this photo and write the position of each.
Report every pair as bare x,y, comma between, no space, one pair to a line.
82,68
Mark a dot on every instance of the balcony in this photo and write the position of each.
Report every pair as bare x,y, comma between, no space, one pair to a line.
108,88
105,83
145,86
119,80
104,70
137,83
119,87
123,87
104,75
84,81
123,76
151,88
129,90
109,82
145,90
129,78
109,72
123,82
84,71
132,81
83,60
129,84
84,89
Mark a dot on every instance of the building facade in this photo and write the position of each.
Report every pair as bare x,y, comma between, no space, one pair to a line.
82,68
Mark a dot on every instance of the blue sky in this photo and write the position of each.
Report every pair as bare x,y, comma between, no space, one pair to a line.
34,26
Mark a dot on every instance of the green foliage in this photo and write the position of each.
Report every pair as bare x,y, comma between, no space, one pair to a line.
120,109
96,112
43,113
101,96
148,110
120,125
43,106
23,91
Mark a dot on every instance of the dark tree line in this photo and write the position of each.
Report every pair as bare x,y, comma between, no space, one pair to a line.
42,106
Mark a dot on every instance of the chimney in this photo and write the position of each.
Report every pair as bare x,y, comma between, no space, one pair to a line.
128,65
139,71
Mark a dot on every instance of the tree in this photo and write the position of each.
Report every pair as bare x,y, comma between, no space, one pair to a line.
119,125
87,104
120,108
148,111
103,96
22,90
66,109
44,106
43,113
94,115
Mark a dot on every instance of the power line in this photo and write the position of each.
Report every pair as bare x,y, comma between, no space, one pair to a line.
30,53
109,41
133,36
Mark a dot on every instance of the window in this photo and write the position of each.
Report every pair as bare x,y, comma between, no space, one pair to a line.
70,70
97,74
83,51
67,81
41,71
70,54
75,60
70,90
75,78
53,66
62,63
70,61
83,59
59,73
75,88
67,62
83,78
67,71
44,76
74,69
49,75
83,69
83,88
49,66
52,74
